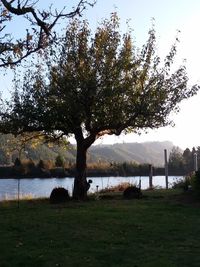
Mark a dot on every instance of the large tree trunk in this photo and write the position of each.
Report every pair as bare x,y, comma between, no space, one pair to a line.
80,181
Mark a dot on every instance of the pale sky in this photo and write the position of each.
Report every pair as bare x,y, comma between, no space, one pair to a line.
170,16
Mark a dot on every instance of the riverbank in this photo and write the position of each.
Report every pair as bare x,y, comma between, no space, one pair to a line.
159,230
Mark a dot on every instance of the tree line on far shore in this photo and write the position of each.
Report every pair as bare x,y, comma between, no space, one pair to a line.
47,169
180,163
38,159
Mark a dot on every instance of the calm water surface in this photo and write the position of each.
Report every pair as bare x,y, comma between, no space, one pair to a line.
42,187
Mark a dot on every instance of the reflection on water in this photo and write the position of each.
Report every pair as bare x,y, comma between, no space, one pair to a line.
42,187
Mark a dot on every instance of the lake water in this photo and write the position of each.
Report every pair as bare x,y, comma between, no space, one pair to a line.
42,187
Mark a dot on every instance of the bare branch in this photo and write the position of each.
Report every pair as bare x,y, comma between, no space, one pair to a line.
41,22
26,10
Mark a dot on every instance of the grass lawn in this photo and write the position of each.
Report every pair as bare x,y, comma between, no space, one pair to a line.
159,230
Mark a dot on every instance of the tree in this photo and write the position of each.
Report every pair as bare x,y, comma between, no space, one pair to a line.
40,32
41,164
59,162
176,161
99,85
198,156
189,159
21,142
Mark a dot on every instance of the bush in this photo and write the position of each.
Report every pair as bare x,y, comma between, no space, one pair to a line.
59,172
59,162
41,164
132,192
59,195
18,168
17,162
195,183
116,188
184,184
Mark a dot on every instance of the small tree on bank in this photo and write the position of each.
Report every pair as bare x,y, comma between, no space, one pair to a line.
99,85
59,162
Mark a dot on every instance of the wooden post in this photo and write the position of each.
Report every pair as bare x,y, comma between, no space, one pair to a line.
150,177
166,168
97,192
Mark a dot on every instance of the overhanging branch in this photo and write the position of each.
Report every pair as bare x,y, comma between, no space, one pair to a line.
42,23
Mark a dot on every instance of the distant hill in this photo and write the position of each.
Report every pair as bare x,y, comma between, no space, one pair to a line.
148,152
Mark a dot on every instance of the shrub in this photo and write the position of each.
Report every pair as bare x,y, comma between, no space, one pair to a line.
49,164
17,162
30,164
195,183
117,188
184,184
132,192
18,168
59,195
59,162
58,172
41,164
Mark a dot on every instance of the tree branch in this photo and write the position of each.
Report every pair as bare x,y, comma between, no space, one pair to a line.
23,11
42,23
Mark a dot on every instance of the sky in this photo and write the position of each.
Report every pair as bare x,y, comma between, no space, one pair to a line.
170,16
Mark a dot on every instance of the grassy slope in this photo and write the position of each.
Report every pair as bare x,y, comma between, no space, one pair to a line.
152,231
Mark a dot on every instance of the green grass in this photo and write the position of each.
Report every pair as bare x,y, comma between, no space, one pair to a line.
158,230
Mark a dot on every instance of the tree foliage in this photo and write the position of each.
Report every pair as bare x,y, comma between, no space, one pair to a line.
184,162
98,85
33,146
40,32
59,162
176,161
